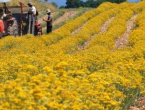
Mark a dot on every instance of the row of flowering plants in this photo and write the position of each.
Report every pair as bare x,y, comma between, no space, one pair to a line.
49,72
71,43
73,24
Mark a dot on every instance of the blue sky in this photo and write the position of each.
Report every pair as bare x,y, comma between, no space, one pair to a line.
62,2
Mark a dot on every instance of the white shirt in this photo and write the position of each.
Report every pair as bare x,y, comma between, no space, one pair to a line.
33,9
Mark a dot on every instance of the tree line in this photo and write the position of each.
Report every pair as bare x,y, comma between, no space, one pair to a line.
88,3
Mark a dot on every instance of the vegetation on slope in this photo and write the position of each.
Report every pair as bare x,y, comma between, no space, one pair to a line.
41,6
50,72
88,3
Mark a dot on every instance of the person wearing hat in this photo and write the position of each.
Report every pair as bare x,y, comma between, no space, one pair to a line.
32,10
49,21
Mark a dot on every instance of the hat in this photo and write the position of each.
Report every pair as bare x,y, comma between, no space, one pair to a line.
29,3
48,11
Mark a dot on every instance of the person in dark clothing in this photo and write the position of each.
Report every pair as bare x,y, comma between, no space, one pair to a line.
49,21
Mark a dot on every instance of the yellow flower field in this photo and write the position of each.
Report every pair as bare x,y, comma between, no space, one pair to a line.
49,72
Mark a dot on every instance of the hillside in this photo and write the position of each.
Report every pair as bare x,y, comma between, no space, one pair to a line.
61,16
41,6
93,61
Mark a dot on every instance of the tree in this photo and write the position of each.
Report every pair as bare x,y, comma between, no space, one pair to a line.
46,0
88,3
73,3
61,7
54,4
92,3
116,1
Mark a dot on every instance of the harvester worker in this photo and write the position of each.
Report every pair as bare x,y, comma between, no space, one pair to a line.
49,21
32,14
32,10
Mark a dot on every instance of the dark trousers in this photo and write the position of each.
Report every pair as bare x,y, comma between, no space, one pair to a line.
49,29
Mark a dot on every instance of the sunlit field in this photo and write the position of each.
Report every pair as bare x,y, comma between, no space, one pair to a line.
52,72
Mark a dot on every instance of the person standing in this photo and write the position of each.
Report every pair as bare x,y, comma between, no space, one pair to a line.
32,12
49,21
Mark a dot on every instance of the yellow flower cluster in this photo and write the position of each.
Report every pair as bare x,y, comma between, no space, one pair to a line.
73,24
49,72
115,29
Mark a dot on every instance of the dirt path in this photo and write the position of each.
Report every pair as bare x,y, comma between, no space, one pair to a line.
123,40
103,29
65,17
78,29
139,104
40,20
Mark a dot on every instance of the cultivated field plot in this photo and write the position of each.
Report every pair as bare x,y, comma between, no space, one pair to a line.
93,62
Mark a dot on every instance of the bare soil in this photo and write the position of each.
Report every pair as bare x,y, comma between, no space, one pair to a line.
64,17
40,20
139,104
123,40
103,29
78,29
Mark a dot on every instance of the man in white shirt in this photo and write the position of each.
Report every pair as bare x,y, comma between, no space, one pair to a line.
32,12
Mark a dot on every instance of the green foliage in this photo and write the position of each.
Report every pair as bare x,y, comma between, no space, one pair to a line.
73,3
54,4
116,1
88,3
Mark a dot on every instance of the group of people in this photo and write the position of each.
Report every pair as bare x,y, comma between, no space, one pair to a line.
33,11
